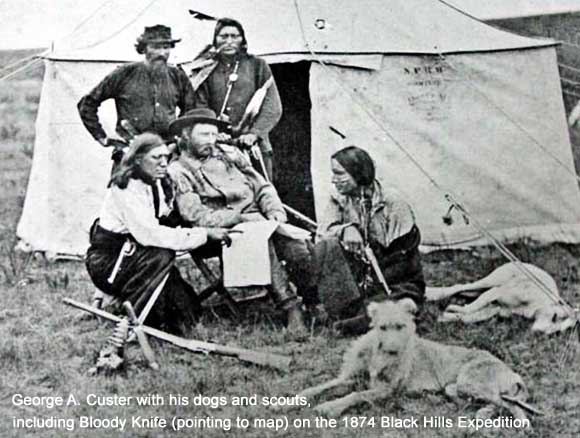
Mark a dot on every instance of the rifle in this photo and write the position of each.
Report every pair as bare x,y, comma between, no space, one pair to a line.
295,213
310,224
271,360
372,259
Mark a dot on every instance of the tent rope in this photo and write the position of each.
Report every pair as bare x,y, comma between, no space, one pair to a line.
570,81
568,43
568,352
21,69
514,122
519,32
450,198
571,93
510,256
83,22
569,67
21,60
369,114
117,32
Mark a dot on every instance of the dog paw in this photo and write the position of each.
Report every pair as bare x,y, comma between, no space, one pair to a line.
454,308
448,317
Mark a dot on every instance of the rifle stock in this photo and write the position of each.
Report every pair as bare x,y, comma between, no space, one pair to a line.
271,360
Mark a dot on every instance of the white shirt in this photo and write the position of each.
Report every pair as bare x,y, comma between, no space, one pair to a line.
131,210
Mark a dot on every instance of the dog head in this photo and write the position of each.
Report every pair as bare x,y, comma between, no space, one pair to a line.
553,319
393,325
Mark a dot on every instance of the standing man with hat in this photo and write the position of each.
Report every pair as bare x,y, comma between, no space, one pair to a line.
146,93
238,87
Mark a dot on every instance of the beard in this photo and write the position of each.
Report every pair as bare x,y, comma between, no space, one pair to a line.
159,73
158,68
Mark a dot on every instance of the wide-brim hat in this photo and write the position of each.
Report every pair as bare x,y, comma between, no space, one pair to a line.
198,115
157,34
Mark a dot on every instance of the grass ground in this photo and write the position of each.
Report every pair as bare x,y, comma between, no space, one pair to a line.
46,348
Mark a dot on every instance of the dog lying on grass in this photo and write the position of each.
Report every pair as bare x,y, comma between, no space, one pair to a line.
508,291
396,359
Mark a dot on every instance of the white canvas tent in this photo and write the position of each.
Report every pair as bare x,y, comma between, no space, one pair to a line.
479,110
501,9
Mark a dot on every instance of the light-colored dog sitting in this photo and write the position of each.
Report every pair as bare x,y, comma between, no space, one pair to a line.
509,291
396,359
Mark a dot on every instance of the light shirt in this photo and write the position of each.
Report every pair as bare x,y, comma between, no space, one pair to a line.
132,210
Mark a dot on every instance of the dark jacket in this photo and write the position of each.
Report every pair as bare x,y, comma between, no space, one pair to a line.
252,73
148,104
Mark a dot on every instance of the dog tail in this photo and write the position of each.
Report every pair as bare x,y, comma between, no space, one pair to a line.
522,404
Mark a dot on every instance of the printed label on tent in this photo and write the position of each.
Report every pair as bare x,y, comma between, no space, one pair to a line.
427,85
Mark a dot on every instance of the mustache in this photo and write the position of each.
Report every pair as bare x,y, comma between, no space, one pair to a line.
225,46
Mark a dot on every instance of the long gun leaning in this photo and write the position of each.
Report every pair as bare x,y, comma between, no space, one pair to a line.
271,360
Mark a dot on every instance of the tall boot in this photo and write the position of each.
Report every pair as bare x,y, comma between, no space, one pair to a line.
295,321
292,304
284,294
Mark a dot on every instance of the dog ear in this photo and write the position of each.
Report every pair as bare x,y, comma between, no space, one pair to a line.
372,311
408,305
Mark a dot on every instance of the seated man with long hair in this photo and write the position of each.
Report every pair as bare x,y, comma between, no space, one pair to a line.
359,213
131,251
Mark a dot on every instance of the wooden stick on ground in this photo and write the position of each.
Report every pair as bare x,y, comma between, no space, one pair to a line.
271,360
141,336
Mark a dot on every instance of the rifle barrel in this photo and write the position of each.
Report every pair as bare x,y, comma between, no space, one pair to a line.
377,269
271,360
300,216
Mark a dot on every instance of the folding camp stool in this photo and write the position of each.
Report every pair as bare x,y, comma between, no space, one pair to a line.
100,299
216,282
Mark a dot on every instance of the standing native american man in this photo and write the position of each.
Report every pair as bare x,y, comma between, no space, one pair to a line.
238,87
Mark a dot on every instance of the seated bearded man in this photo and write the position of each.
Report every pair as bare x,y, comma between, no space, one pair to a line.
217,187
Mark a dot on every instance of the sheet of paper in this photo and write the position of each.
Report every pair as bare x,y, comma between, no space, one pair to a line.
247,262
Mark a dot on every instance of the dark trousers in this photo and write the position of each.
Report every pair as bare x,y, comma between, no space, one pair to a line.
341,277
139,274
